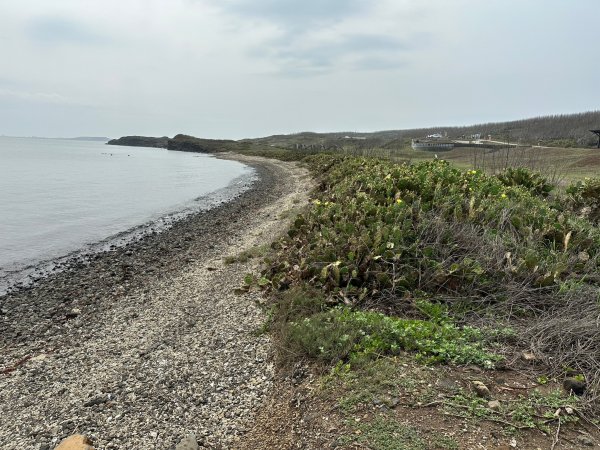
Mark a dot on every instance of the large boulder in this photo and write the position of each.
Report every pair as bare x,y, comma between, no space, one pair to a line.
75,442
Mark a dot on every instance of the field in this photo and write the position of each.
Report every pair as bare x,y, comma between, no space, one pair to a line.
558,164
561,163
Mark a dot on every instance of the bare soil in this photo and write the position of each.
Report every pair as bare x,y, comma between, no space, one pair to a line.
322,412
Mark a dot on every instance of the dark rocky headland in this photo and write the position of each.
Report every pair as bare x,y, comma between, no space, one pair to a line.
181,142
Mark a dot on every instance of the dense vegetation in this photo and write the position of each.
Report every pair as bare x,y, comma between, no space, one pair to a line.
140,141
181,142
444,263
562,130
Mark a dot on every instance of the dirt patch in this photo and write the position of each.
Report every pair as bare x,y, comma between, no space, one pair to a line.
587,162
397,403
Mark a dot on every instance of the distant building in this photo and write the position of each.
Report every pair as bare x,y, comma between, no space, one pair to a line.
431,144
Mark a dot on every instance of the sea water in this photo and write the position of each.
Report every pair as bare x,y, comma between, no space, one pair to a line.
58,196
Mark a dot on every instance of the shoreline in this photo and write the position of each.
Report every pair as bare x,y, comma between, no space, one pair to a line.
27,276
148,343
81,270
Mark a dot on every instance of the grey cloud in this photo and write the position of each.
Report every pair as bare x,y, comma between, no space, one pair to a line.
358,51
297,49
379,63
56,30
296,13
11,83
369,42
36,97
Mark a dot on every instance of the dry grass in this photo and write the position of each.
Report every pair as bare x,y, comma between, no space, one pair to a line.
560,328
558,164
565,338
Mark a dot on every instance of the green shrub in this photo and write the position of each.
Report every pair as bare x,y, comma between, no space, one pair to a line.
429,241
533,182
343,334
565,143
377,227
299,302
585,198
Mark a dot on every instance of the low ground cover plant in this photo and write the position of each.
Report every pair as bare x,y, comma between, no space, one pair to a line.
341,334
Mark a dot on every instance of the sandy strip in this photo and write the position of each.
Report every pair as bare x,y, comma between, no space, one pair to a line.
149,343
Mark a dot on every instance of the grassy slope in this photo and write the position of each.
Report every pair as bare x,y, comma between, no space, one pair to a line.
568,163
559,163
571,130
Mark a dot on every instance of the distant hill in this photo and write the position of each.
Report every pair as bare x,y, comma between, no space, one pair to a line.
181,142
140,141
187,143
565,130
90,138
78,138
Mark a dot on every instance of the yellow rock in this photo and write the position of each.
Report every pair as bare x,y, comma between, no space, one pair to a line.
75,442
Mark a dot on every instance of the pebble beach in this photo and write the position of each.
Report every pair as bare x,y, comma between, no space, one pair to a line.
142,346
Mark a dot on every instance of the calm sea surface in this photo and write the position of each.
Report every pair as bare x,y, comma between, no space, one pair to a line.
57,196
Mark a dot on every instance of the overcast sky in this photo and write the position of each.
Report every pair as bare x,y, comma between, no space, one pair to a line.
247,68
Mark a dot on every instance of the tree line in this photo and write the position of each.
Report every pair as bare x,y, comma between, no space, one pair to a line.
563,130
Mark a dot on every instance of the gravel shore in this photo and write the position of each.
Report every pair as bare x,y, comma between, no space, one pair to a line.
148,343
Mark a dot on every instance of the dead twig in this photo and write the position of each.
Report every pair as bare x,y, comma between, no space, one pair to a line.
16,365
490,419
556,435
